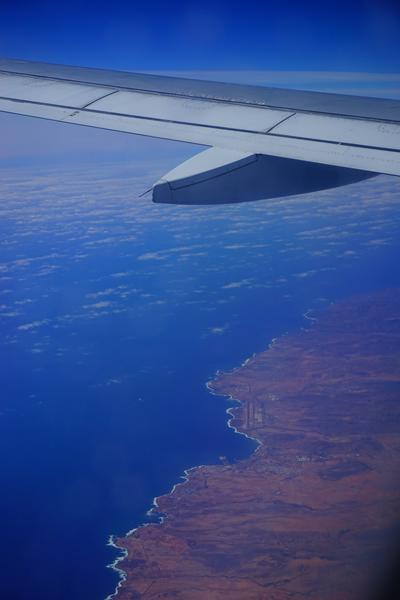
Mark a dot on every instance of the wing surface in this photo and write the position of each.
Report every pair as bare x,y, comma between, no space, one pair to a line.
341,131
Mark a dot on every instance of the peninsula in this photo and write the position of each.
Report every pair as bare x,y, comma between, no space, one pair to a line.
312,513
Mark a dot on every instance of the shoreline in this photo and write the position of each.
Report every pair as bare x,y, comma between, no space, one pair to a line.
186,474
315,501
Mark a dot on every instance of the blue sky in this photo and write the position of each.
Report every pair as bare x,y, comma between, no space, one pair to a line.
315,35
293,44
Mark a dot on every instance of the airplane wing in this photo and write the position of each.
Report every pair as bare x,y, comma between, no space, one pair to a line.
264,142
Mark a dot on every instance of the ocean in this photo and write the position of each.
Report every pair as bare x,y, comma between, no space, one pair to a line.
115,313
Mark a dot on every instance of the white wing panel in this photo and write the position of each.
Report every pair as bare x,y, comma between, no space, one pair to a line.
194,134
34,89
379,109
368,159
201,112
342,130
28,109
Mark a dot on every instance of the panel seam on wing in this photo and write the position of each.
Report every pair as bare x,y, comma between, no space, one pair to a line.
280,122
100,98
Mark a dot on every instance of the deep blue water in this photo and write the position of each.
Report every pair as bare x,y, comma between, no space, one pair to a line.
115,313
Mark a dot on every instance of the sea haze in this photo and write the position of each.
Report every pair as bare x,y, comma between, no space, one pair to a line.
115,313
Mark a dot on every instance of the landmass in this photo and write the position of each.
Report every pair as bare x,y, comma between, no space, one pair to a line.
314,511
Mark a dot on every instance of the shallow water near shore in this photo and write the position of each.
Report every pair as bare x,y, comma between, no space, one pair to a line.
115,316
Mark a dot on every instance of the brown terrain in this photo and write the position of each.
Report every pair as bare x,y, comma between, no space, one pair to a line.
313,512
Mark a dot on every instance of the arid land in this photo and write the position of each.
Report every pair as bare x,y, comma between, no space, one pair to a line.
313,512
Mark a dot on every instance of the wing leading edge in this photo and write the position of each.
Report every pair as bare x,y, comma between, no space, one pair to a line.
280,135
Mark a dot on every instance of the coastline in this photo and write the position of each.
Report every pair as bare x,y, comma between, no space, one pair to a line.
185,477
114,565
292,477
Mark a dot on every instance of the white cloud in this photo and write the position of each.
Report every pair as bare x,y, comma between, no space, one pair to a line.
33,325
218,330
97,305
237,284
152,256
